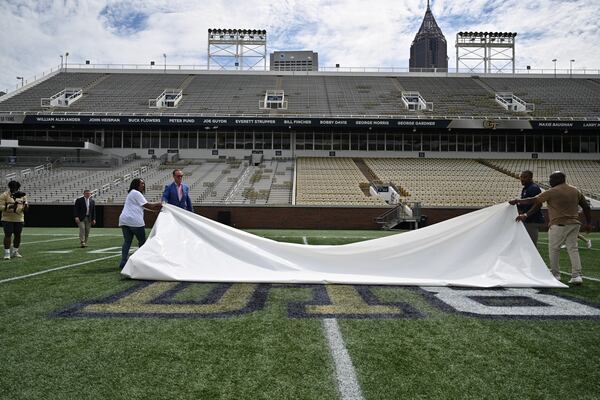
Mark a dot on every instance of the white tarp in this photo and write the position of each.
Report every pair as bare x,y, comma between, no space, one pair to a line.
484,248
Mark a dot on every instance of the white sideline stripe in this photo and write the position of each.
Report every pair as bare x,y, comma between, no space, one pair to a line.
568,273
304,239
578,246
51,240
584,277
344,370
68,238
68,234
58,268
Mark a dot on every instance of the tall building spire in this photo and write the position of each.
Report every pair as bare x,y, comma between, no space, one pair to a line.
429,48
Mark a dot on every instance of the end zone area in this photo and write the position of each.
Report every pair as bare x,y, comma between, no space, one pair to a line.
72,327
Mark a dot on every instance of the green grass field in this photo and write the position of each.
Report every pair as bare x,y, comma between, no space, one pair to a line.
81,331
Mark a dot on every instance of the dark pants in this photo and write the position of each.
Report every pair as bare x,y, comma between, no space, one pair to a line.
128,233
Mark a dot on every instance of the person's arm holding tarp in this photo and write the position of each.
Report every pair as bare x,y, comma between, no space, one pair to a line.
535,208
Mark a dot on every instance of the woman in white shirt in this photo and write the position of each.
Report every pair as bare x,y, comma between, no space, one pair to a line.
131,219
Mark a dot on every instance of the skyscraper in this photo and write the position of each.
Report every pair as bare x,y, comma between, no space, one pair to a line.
429,48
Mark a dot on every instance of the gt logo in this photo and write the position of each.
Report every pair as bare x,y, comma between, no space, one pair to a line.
202,300
489,124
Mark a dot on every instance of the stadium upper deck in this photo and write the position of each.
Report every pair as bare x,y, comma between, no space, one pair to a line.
311,94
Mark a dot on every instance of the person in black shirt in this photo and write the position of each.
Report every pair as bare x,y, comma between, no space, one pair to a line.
531,214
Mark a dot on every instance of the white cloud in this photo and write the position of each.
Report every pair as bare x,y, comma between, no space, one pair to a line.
349,32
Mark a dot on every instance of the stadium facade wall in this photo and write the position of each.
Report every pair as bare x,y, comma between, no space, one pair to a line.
253,217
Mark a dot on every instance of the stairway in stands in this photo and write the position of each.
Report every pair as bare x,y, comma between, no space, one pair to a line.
373,179
498,168
368,173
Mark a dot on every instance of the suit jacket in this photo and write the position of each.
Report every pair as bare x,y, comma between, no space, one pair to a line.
80,209
171,196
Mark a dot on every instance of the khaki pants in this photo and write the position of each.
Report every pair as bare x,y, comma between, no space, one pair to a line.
84,229
567,234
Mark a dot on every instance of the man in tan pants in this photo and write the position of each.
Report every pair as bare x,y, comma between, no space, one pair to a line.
84,212
563,209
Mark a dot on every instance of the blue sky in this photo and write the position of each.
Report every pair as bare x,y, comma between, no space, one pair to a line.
353,33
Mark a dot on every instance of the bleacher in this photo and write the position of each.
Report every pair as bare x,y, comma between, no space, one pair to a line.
553,97
126,92
315,94
30,100
64,185
584,174
225,94
331,181
456,96
446,182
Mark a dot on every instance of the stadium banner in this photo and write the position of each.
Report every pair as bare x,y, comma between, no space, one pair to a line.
489,124
565,124
485,248
202,122
216,122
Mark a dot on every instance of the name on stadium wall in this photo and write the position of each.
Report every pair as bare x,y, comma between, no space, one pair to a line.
203,122
228,122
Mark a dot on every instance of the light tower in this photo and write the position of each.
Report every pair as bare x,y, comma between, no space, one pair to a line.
239,49
494,51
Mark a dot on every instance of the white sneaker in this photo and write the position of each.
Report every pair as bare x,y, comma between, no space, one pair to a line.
557,276
6,257
588,244
16,254
578,280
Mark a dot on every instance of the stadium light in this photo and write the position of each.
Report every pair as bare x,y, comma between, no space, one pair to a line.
571,68
66,60
165,57
22,80
554,61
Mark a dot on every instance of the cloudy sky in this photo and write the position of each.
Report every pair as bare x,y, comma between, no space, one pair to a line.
353,33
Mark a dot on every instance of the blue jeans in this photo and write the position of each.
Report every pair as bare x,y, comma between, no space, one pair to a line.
128,233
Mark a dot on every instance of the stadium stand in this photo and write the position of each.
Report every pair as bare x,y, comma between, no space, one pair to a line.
218,157
329,181
456,96
553,97
126,92
584,174
30,99
447,182
332,95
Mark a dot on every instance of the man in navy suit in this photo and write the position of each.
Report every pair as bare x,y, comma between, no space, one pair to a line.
85,216
178,193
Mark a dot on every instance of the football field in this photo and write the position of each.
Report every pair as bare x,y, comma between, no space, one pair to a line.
71,327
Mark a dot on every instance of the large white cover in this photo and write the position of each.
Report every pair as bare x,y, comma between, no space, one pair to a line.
484,248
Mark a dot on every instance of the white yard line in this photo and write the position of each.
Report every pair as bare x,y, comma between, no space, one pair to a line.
58,268
579,247
584,277
65,238
344,370
345,374
52,240
568,273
